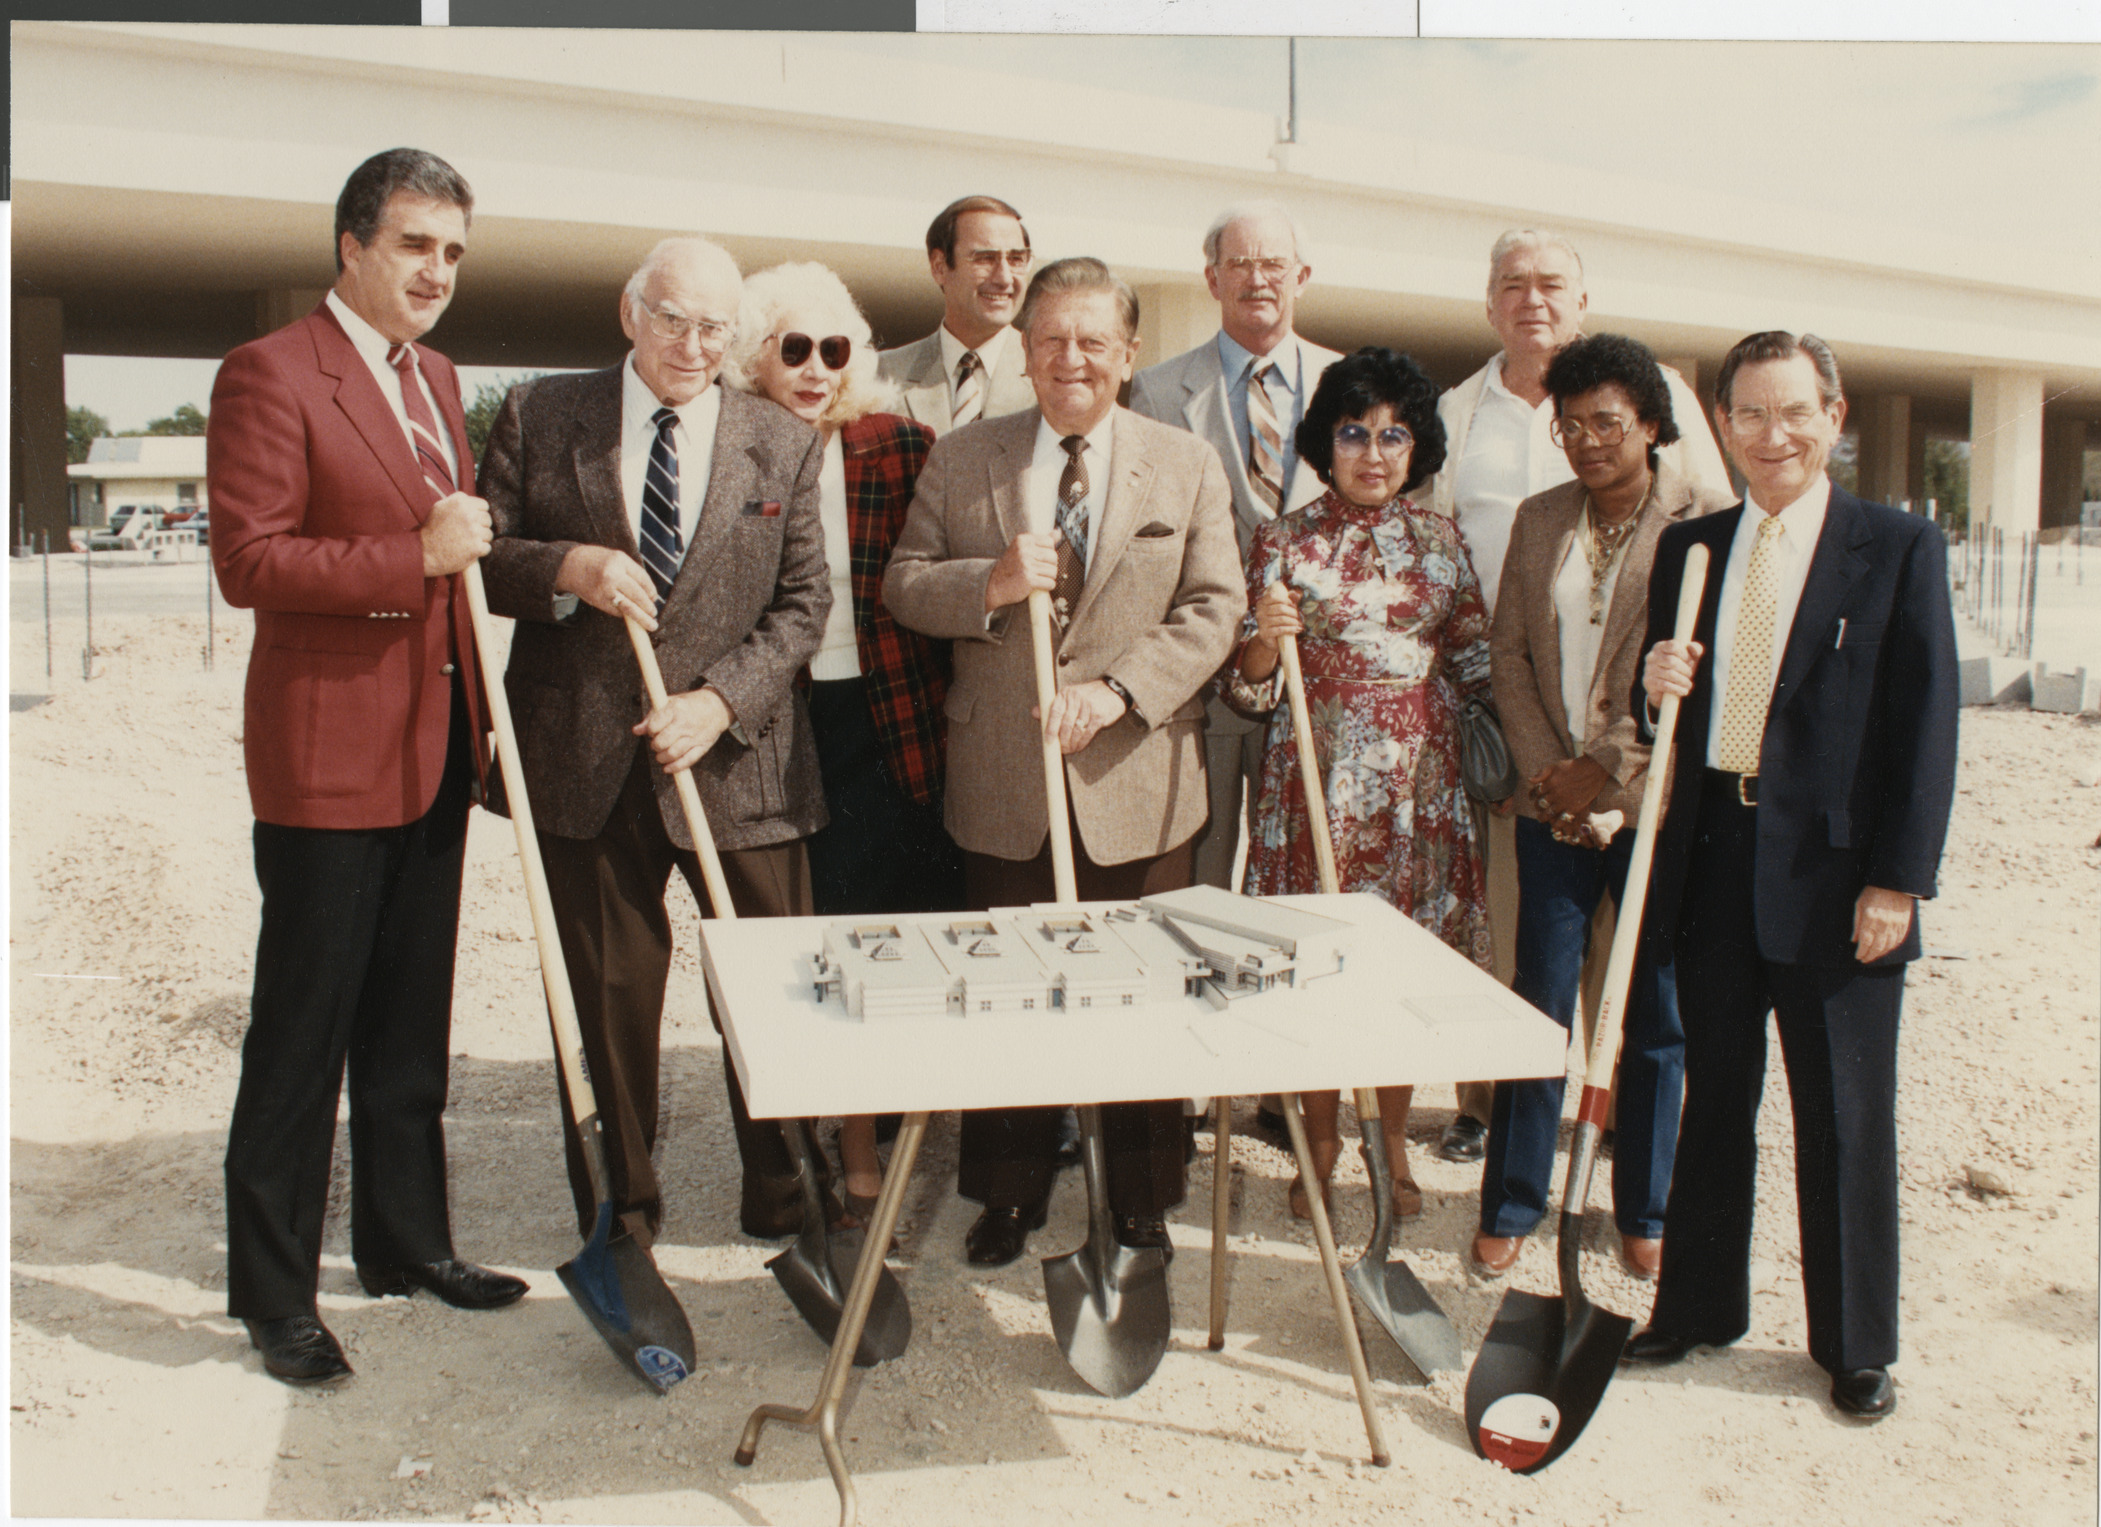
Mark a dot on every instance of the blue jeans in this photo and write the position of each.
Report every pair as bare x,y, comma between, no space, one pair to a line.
1557,895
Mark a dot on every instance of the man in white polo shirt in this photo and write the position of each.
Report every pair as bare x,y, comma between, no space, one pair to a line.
1498,453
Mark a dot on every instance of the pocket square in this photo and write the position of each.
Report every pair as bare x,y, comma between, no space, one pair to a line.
769,508
1156,529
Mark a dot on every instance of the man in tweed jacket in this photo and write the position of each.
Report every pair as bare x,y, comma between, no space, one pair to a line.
742,608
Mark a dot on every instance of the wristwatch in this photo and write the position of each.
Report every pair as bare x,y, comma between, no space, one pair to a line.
1116,688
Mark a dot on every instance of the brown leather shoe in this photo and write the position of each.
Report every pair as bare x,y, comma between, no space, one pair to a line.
1407,1198
1302,1206
1641,1256
1494,1255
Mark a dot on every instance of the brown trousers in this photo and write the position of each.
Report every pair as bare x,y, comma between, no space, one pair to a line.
608,895
1007,1157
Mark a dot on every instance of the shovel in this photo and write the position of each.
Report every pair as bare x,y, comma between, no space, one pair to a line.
614,1282
1388,1291
1545,1362
816,1270
1108,1303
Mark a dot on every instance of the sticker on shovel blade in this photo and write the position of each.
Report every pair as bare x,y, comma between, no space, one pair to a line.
1516,1429
660,1365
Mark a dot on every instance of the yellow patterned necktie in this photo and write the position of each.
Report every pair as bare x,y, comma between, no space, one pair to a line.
1750,688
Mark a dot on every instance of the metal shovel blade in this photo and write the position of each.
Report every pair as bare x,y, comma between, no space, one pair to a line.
1389,1291
816,1271
1540,1374
617,1286
1108,1303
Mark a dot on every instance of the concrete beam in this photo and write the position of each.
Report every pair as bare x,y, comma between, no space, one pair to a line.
2006,449
36,500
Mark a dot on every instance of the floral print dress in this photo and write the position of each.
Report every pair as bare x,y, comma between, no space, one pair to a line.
1395,634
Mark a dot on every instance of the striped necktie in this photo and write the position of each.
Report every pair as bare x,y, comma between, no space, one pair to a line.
423,425
1265,445
970,390
1072,529
661,546
1750,688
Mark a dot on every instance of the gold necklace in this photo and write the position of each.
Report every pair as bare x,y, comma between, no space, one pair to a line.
1604,544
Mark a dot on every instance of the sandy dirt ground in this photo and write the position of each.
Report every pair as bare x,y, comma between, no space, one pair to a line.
131,1394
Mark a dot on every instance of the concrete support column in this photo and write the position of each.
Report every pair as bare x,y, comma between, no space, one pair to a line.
36,501
280,305
1915,466
2006,449
1884,422
1173,317
2064,465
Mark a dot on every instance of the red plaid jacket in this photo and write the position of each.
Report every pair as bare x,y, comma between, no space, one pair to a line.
906,673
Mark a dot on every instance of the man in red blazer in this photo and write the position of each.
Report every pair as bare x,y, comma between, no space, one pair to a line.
343,516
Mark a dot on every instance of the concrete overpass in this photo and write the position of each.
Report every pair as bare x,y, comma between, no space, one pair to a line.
174,186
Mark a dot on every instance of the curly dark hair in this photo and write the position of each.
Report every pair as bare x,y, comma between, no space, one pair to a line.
1355,385
1598,359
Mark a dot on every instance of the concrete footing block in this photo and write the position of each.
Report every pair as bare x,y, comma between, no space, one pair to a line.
1995,681
2065,693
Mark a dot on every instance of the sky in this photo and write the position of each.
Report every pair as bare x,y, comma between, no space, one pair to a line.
1998,141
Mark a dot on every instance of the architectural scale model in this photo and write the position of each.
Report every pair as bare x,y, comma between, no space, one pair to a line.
1197,942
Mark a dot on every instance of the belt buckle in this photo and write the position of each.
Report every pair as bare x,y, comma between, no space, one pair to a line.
1747,789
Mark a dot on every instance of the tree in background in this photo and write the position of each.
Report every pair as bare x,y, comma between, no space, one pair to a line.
186,420
482,407
83,428
1948,483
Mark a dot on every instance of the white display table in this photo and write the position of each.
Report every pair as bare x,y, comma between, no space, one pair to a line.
1404,1009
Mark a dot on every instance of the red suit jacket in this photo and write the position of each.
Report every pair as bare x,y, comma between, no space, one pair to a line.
317,501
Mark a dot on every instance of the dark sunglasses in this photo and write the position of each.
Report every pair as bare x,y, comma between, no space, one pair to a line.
796,348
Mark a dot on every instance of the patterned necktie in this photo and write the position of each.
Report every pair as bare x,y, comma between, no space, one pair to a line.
1072,529
1750,688
1265,444
423,426
970,390
661,546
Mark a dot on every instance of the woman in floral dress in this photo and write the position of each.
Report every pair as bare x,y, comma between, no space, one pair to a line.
1392,634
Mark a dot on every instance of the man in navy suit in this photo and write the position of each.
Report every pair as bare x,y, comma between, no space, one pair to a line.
1814,769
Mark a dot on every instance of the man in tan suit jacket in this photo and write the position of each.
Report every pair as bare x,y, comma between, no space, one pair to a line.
1129,524
970,367
584,475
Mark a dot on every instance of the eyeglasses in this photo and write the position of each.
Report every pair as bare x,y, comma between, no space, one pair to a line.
986,261
1794,418
1271,268
1355,440
1605,429
833,351
669,323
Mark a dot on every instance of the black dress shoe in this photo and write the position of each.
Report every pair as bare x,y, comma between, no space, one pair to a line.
771,1206
1464,1139
1000,1235
462,1285
1271,1123
299,1350
1864,1392
1658,1349
1141,1230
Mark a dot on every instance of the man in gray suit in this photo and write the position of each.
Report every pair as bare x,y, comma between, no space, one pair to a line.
1128,525
1255,267
645,490
971,367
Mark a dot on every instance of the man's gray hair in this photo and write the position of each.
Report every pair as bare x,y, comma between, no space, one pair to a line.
677,247
1779,345
1530,238
1248,211
1079,273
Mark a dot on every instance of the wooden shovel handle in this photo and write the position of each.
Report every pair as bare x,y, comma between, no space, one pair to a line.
1626,936
1062,877
688,794
554,970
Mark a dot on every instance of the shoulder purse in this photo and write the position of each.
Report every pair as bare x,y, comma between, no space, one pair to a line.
1485,765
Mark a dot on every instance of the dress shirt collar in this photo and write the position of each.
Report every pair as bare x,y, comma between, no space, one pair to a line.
1050,447
1495,382
1802,520
638,405
1236,358
370,343
990,353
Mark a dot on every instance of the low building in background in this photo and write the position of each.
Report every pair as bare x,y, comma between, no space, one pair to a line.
163,474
